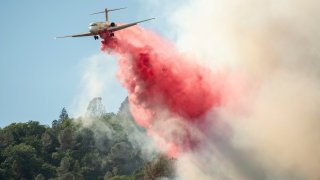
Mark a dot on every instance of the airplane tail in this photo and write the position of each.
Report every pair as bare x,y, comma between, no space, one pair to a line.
106,11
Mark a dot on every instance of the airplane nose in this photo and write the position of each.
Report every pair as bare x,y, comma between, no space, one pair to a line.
92,29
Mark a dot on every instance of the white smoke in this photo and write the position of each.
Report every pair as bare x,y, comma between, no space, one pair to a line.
275,44
98,80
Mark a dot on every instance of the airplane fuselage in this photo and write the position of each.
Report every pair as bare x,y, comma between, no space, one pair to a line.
99,27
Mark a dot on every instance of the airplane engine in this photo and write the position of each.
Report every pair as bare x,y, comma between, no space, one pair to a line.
113,24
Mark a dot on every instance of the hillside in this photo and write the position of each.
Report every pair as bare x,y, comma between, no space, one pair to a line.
99,146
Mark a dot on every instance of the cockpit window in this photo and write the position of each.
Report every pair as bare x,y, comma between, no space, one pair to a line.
93,24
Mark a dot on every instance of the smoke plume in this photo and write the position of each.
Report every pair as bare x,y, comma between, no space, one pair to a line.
169,95
237,97
97,81
274,43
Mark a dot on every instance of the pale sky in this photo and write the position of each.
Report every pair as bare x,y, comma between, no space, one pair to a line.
39,75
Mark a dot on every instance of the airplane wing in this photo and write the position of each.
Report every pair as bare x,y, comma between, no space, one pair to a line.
78,35
117,28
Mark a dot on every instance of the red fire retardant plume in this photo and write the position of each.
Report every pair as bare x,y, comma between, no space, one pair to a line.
161,80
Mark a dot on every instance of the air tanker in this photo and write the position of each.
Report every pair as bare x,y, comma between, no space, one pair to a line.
105,29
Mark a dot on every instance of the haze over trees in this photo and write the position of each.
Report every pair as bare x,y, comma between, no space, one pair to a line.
108,147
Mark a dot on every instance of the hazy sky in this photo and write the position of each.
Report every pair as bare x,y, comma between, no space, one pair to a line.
39,75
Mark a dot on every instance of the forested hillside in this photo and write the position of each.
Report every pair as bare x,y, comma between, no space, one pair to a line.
98,145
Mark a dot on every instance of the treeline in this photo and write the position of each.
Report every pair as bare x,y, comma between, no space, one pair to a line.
102,149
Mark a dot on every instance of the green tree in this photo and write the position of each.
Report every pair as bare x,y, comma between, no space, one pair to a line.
48,170
77,171
22,161
47,142
84,143
63,115
159,168
92,165
40,177
95,108
55,125
6,138
66,139
108,175
63,170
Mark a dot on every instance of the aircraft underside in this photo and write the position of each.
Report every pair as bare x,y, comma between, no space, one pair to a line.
105,36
